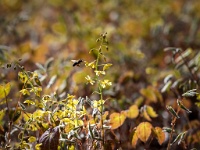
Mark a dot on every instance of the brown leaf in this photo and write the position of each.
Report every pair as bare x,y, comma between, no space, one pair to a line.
160,135
50,139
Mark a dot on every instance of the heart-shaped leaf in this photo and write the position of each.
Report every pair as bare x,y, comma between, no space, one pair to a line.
117,119
132,112
144,131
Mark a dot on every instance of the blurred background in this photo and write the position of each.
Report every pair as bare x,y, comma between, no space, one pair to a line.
47,34
138,31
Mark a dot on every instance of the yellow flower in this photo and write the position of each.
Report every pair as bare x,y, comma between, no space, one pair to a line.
89,79
105,83
37,146
98,104
100,72
92,64
70,97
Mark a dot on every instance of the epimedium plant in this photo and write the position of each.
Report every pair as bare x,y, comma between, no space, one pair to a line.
45,121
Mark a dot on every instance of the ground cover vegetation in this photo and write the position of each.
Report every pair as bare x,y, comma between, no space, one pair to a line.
99,75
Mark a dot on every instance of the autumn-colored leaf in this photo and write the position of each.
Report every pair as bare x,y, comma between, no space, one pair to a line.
151,112
146,115
134,139
2,114
132,112
117,119
139,101
149,94
4,90
160,135
144,131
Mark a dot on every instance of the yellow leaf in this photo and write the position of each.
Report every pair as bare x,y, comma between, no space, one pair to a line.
4,90
134,139
149,94
117,119
139,101
146,116
144,131
132,112
2,114
160,135
151,112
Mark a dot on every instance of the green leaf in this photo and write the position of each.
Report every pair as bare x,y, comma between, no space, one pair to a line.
179,138
172,111
190,93
183,107
4,90
168,130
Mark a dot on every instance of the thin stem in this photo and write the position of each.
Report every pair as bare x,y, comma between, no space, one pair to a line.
101,98
173,123
9,122
189,69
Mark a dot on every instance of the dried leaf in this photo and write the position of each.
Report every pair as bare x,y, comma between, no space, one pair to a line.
50,139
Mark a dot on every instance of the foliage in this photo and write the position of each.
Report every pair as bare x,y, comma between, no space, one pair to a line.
123,93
